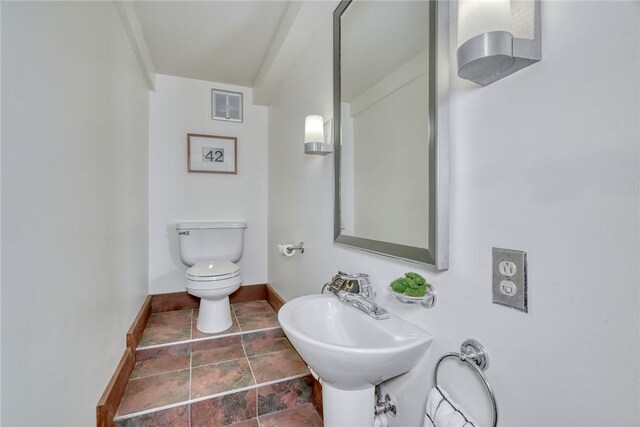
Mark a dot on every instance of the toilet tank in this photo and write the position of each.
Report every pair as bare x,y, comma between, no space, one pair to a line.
202,241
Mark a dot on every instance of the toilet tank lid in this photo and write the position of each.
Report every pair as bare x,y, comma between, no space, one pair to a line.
203,225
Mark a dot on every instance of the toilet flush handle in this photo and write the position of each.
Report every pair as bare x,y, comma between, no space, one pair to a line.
183,233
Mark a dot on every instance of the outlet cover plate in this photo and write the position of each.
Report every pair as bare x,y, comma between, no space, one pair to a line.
503,285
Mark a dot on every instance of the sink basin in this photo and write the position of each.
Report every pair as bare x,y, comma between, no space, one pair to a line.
347,348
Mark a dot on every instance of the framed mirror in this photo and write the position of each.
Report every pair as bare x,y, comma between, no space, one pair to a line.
391,88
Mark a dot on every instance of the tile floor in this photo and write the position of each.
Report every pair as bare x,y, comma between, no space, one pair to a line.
249,375
179,326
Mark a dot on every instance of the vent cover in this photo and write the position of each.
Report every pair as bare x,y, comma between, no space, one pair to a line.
226,105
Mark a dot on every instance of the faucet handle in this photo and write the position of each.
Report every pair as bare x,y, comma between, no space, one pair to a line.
364,283
345,281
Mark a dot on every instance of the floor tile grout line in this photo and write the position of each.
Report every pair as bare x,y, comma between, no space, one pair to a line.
255,381
292,408
212,396
190,372
221,361
232,334
246,356
150,411
257,411
256,314
251,302
159,373
271,352
164,326
251,387
253,375
171,324
235,316
191,367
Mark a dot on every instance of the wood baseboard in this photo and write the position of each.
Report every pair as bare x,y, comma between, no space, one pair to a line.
316,396
137,327
184,301
173,301
110,400
275,301
249,293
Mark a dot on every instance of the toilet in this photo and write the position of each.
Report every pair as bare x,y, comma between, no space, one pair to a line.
210,249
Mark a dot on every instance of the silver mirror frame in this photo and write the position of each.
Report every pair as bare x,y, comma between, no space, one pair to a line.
437,255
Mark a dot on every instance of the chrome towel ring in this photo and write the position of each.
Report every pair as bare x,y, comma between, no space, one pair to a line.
473,354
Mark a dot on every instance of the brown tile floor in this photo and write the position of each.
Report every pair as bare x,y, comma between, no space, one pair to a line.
305,415
230,370
179,326
235,410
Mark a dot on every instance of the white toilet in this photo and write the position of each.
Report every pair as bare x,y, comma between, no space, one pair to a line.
210,249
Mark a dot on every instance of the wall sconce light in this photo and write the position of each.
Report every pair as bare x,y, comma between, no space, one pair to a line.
496,38
314,136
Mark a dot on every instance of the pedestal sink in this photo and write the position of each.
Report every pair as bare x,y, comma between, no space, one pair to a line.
351,352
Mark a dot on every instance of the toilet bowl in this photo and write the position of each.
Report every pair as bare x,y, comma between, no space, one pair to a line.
213,282
210,249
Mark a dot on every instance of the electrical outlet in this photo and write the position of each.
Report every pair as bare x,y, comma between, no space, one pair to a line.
510,278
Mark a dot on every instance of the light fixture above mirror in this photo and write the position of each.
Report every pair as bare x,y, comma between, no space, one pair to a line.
496,38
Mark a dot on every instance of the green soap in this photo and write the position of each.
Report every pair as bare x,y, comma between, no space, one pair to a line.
398,286
416,278
418,292
411,283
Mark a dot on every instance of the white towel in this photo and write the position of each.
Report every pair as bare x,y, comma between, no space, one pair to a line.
444,412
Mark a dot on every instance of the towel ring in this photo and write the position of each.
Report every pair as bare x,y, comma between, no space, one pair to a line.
473,354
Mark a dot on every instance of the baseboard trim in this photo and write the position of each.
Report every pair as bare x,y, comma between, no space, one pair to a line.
173,301
137,327
110,400
316,396
275,301
249,293
184,301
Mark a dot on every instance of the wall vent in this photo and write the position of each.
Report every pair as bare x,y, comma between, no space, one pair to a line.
226,105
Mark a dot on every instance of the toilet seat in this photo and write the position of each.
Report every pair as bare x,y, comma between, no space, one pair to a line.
213,270
213,274
212,278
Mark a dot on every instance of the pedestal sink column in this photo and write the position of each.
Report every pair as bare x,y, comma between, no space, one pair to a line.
347,408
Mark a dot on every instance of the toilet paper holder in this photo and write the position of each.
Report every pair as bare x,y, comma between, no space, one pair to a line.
287,249
299,248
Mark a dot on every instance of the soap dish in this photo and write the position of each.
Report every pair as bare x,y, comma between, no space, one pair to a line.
427,301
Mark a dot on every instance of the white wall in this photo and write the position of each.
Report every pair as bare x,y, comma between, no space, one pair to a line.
180,106
74,206
561,140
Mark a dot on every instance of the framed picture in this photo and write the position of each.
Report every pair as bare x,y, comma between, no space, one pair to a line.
212,154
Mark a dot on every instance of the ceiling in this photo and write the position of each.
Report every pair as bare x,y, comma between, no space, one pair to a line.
221,41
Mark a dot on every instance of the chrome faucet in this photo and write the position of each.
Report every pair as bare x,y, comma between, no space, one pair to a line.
363,298
364,304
